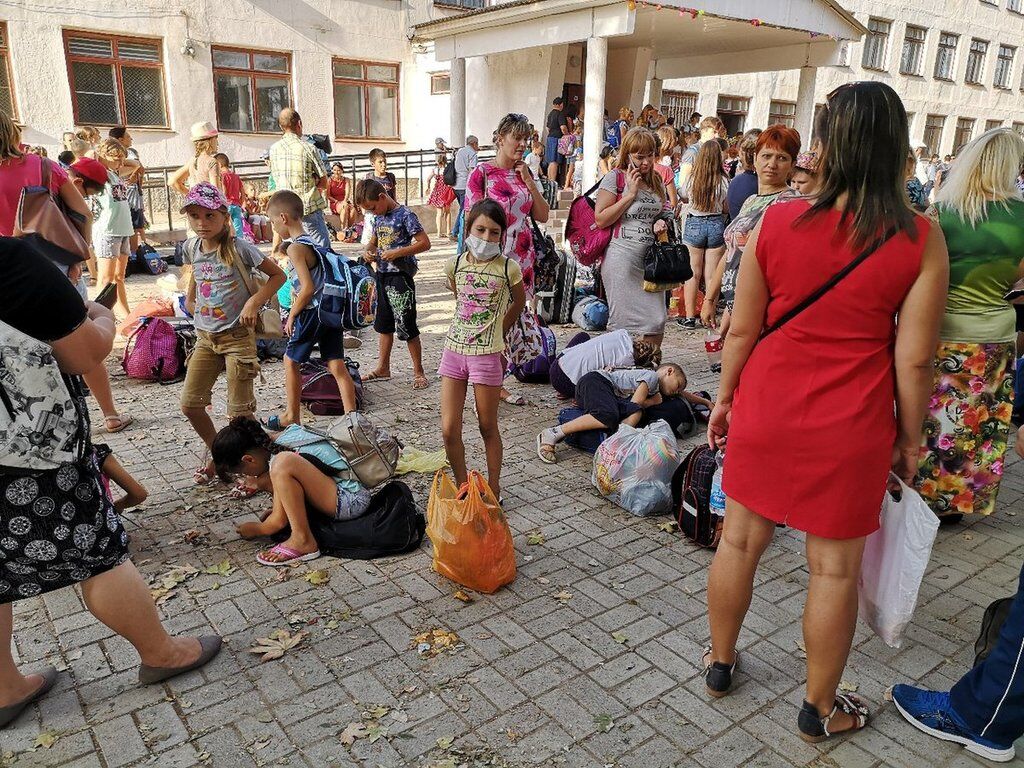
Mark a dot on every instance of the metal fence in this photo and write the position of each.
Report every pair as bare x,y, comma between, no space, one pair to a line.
412,170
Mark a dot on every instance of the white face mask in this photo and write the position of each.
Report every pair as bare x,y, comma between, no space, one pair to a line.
482,249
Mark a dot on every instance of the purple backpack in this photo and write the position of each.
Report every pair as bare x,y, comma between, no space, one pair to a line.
152,352
319,390
586,240
538,370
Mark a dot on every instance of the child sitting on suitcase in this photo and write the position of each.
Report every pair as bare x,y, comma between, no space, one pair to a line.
303,326
611,398
302,470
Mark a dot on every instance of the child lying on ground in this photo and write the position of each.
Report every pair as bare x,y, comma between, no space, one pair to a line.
611,398
299,468
584,354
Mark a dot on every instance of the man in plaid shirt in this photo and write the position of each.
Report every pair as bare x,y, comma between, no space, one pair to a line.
295,164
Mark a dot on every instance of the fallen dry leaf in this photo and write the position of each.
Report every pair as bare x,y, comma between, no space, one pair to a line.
847,687
803,650
888,694
435,641
670,527
275,646
317,577
461,595
604,723
543,580
45,739
223,568
445,742
352,732
534,538
563,596
619,638
376,713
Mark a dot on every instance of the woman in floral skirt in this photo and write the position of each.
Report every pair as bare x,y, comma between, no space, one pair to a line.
981,214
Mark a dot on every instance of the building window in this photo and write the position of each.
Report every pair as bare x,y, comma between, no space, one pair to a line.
976,61
1019,128
783,112
945,59
680,105
732,110
1004,66
7,104
933,126
250,88
440,83
365,100
913,50
1015,5
990,124
115,80
875,44
844,54
964,131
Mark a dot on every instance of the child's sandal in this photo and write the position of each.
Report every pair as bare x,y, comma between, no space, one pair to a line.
814,728
202,476
288,554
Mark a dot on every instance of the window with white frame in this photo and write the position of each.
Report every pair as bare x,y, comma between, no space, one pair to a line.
1004,66
964,132
945,58
876,44
782,112
913,50
976,61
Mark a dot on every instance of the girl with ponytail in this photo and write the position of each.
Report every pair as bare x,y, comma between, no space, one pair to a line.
303,471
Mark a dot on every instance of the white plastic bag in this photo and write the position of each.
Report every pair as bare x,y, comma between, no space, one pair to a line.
634,468
895,559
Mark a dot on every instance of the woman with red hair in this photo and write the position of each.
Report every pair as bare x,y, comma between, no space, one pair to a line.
774,153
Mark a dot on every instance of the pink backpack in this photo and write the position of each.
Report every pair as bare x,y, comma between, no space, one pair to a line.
152,352
586,240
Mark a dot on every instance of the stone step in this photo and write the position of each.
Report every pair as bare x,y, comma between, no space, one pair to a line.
566,195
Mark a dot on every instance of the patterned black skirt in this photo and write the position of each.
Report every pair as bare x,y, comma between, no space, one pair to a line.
57,528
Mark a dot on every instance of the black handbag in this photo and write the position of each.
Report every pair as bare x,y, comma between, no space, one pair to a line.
667,263
545,270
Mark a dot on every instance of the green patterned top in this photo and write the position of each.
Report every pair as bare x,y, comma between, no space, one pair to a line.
984,263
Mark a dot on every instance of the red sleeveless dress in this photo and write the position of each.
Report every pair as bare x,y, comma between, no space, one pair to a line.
813,420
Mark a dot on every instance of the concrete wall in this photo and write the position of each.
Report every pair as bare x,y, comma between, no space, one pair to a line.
523,81
922,95
312,31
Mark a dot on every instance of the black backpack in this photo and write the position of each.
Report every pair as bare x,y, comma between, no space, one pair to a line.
392,525
991,625
691,497
450,175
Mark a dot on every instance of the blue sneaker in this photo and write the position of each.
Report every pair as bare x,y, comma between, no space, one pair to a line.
931,712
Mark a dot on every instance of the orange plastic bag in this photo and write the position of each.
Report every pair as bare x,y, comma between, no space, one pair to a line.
471,538
154,306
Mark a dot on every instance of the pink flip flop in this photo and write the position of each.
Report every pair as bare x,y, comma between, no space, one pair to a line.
291,555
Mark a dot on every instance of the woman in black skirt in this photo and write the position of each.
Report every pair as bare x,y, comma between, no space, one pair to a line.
58,525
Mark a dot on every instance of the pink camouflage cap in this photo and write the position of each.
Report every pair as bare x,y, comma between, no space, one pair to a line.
206,195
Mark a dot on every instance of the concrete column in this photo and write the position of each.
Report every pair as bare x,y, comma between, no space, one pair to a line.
457,101
804,120
593,119
654,87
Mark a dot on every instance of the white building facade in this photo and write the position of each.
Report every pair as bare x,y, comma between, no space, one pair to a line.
160,65
958,66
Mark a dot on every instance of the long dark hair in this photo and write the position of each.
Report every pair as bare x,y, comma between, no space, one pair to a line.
864,143
242,435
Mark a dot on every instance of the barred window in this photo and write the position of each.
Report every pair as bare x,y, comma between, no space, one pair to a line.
913,50
964,132
976,61
876,44
6,88
933,126
1004,66
115,80
945,58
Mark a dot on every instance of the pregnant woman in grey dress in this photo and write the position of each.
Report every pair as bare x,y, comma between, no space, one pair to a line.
629,199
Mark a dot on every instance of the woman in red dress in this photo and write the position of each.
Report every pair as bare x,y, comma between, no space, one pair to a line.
817,413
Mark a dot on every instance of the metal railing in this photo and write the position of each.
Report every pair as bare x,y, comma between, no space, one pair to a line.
412,169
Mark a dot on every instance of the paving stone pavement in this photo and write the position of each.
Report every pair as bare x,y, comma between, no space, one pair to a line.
608,677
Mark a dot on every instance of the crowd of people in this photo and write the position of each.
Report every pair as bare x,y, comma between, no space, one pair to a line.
861,289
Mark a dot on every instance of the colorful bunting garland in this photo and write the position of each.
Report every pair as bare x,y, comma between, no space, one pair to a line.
694,13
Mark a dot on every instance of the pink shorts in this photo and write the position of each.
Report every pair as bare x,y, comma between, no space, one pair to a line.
488,370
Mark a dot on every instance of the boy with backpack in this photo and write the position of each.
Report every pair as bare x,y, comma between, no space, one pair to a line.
303,327
397,236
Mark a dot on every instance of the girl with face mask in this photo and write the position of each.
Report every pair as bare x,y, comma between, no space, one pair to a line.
489,297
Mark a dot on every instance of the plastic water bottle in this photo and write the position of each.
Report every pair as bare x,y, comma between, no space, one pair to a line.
713,346
717,499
